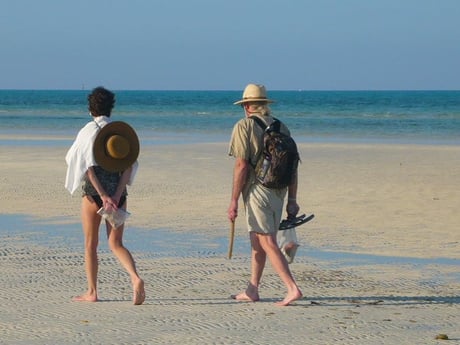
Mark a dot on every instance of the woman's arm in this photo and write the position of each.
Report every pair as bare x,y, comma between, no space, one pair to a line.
124,179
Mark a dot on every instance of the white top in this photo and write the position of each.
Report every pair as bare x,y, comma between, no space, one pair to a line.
80,156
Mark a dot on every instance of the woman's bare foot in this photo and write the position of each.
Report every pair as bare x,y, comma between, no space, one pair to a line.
290,297
87,297
139,292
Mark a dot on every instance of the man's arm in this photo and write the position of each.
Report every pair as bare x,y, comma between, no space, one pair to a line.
292,208
240,173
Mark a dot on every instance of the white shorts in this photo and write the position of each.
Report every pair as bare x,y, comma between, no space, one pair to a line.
264,208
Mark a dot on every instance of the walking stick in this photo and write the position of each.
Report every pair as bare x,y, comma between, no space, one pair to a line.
232,236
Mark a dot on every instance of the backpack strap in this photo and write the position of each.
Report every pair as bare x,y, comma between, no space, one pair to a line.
273,127
264,127
260,122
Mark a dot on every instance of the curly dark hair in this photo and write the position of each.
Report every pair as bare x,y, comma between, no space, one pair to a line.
101,101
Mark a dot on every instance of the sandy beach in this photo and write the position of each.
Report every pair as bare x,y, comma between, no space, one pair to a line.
379,264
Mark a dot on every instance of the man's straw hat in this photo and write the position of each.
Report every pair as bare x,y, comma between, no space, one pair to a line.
254,93
116,146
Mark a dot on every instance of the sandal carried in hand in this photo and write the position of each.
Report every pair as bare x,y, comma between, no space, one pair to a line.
296,221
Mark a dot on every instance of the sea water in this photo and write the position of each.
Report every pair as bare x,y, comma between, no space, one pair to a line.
431,117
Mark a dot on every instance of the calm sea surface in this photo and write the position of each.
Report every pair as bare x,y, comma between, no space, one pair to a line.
190,116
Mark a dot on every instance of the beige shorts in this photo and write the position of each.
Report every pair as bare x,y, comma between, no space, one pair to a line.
264,208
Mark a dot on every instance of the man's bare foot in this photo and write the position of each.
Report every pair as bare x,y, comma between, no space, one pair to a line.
290,297
243,296
251,294
85,298
138,293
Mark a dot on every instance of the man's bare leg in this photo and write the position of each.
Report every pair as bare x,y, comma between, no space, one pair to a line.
258,259
280,265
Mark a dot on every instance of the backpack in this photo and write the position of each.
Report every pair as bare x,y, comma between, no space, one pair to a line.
279,160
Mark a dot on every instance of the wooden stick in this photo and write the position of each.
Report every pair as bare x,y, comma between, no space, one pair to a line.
232,236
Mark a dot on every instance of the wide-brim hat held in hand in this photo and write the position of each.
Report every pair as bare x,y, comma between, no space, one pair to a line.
116,146
254,93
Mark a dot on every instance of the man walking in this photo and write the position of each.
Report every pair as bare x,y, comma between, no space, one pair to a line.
263,206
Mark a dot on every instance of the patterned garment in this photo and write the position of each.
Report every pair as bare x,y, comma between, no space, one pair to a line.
107,179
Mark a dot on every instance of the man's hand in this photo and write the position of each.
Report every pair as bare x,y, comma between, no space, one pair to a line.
292,208
232,211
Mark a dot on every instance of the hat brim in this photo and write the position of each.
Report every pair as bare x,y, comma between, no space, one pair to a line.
247,100
99,147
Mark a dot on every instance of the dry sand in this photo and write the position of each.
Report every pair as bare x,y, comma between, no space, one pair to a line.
377,265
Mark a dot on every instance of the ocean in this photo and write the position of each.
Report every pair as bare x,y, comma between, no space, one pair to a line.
419,117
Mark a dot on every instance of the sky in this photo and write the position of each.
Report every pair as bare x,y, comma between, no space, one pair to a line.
225,44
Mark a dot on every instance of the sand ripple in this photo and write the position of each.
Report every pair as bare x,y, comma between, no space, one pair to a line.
188,302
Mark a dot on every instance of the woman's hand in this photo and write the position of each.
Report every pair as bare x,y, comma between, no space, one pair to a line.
109,203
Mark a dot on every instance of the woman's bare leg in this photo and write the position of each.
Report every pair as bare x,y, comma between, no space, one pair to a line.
115,238
90,223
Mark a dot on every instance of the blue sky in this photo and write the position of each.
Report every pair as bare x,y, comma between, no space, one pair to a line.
224,44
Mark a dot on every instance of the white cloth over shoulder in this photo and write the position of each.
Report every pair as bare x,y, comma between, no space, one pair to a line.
80,156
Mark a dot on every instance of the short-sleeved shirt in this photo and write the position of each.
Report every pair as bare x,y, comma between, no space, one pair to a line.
263,206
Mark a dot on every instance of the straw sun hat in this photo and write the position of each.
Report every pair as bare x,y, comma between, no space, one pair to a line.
254,93
116,146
